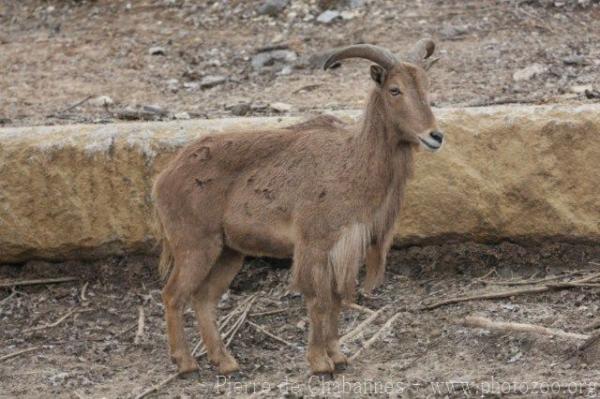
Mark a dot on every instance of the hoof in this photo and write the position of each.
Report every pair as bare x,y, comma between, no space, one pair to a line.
189,375
339,367
228,366
235,376
327,376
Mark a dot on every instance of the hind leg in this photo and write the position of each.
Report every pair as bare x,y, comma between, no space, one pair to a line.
192,265
205,303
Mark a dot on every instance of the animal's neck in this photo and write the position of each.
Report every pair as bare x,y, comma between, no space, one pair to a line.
386,162
378,146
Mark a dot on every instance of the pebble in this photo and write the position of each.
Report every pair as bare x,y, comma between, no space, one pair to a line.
239,109
157,50
328,16
182,115
580,88
453,32
269,58
211,81
192,86
280,107
529,72
575,60
272,8
173,85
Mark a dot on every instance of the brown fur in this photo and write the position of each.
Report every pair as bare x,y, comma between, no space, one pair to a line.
322,192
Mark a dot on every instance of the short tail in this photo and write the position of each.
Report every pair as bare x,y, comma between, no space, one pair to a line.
165,263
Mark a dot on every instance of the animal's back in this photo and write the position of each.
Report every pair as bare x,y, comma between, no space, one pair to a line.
254,174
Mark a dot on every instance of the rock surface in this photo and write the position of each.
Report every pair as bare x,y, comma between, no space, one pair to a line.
510,171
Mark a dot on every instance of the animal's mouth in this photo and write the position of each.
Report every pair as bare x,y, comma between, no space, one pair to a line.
430,144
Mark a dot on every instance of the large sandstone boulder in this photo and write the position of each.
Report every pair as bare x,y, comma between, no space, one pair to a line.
522,172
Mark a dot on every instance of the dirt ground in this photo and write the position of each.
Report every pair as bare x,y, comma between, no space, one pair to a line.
54,54
92,353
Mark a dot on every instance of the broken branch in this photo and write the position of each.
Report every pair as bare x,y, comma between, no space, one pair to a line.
269,334
57,322
359,328
18,353
583,282
376,336
7,284
481,322
140,330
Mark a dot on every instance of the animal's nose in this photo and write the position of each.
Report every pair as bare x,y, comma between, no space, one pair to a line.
437,136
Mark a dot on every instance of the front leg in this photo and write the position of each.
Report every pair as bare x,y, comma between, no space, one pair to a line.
333,345
317,356
375,263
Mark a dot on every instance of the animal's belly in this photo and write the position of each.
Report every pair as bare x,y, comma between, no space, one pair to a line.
259,239
258,230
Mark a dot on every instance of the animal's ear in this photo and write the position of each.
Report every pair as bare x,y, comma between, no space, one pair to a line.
378,74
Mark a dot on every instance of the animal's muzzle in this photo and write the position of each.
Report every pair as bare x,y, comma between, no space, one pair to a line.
432,141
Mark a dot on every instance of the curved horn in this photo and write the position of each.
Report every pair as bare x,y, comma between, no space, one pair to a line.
378,55
421,51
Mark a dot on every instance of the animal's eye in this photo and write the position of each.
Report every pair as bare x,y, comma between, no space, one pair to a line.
394,91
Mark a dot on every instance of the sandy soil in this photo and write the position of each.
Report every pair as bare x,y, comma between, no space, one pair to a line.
93,354
53,54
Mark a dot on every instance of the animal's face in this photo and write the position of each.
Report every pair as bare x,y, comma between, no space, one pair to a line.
404,90
403,85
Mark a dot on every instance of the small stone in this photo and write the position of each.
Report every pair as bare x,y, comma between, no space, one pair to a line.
211,81
348,15
173,85
287,70
592,94
580,88
182,115
280,107
328,16
157,50
191,86
154,109
575,60
270,58
529,72
301,324
259,106
272,8
239,109
453,32
101,101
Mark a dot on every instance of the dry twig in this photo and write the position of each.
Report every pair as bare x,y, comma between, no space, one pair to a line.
488,295
77,104
83,289
530,281
269,334
269,312
583,282
18,353
140,330
6,284
57,322
481,322
359,307
376,336
359,328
